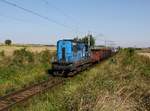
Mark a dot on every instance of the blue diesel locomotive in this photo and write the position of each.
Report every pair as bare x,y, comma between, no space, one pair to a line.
70,56
74,56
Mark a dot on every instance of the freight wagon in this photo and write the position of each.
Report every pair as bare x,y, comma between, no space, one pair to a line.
100,54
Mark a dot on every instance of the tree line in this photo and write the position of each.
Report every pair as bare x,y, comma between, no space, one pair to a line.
88,39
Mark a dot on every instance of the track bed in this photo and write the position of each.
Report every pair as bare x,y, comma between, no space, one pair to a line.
20,96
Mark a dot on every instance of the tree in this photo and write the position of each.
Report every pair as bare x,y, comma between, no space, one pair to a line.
86,39
8,42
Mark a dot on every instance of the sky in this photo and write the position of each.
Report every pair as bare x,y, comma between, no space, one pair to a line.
123,22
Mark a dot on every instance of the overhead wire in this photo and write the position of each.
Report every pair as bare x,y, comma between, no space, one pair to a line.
36,14
106,41
66,15
60,11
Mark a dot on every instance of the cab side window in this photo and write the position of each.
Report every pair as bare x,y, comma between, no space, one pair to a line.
74,48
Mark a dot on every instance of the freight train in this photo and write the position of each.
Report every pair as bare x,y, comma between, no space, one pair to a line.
74,56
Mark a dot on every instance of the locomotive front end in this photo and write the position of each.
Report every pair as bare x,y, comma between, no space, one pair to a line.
70,54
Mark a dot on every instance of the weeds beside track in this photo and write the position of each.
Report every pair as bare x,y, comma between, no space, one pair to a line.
21,95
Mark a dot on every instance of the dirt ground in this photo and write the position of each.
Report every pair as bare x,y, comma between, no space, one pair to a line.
8,50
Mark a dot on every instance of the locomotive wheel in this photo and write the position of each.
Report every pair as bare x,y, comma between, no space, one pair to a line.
54,73
65,74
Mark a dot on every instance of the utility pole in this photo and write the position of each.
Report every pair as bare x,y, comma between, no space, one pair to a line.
105,43
89,39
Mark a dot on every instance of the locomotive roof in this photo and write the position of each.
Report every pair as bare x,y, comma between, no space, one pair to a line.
72,40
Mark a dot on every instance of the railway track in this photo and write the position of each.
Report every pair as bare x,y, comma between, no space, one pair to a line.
12,99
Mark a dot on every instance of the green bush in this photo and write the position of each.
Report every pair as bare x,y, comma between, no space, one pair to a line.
126,57
21,57
130,52
45,56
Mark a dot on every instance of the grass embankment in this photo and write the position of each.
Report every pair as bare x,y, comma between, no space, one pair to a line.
118,84
22,69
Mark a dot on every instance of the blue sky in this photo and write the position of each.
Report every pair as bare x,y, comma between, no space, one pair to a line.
127,22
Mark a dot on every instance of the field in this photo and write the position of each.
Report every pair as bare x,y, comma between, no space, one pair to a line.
120,83
145,54
10,49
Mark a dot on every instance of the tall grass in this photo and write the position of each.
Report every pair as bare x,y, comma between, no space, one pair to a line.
2,53
118,84
22,69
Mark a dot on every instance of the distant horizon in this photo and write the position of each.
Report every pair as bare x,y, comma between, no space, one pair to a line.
40,44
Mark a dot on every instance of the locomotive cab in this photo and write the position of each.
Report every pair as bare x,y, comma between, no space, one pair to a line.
69,53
